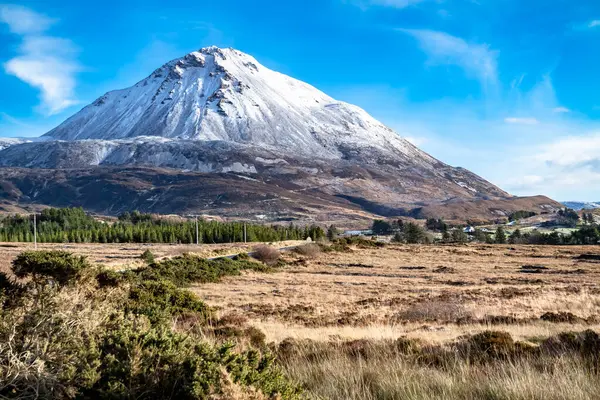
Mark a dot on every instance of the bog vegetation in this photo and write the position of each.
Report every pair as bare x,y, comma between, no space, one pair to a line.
69,330
73,225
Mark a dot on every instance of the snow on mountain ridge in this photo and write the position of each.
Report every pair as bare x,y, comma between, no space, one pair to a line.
224,94
219,111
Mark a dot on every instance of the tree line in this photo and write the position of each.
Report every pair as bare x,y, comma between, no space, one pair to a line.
73,225
410,232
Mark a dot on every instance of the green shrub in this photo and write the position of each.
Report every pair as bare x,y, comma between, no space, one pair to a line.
188,269
108,278
148,257
58,266
66,341
162,299
241,257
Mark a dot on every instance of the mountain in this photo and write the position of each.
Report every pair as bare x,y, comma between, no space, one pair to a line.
219,111
581,205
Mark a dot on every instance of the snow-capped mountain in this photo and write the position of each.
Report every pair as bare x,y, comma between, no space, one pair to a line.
225,95
582,205
220,111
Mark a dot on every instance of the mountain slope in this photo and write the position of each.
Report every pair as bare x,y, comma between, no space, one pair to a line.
223,94
220,111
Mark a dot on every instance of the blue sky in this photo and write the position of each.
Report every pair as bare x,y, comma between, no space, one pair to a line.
506,88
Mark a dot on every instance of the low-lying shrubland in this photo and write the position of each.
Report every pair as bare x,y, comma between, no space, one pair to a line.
69,330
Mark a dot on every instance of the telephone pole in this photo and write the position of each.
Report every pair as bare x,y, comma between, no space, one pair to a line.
34,231
245,236
197,238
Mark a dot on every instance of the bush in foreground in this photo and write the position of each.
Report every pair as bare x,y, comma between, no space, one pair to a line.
86,340
57,266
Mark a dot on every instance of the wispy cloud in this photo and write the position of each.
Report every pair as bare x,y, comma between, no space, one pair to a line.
44,62
538,151
23,21
478,60
398,4
12,120
395,3
561,110
594,24
567,165
573,152
521,121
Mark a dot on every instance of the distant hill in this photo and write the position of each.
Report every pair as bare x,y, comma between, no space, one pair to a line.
582,205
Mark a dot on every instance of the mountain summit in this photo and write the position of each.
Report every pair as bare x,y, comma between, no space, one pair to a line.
226,95
219,111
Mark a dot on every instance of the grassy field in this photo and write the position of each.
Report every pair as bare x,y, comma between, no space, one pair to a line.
340,318
409,322
435,293
127,255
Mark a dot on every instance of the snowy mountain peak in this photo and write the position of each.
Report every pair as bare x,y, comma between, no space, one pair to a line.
224,94
220,111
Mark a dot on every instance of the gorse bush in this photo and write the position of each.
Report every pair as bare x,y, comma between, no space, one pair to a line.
58,266
187,269
148,257
159,300
67,336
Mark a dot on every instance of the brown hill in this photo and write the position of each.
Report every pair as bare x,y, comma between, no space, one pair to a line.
111,190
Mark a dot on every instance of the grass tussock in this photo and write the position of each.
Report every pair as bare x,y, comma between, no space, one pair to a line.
310,250
490,365
266,254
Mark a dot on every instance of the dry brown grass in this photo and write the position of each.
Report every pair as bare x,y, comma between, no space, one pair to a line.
402,290
127,255
368,370
367,297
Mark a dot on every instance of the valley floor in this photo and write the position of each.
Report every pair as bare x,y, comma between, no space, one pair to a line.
409,321
437,293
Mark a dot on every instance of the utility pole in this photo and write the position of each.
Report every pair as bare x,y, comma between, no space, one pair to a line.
34,231
245,236
197,238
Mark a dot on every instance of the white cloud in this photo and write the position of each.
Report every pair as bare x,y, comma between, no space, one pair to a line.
593,24
22,21
521,121
573,152
567,167
561,110
478,60
45,62
549,157
395,3
400,4
12,120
